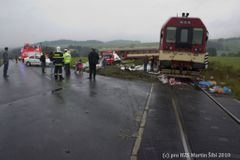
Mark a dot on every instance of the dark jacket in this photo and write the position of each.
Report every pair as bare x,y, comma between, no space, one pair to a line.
43,58
145,60
93,58
5,57
58,59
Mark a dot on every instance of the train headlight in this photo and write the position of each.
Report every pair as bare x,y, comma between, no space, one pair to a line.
196,50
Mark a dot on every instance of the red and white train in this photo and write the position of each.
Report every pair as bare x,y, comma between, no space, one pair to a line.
183,43
182,46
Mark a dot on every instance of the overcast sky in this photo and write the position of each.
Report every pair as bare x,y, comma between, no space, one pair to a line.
38,20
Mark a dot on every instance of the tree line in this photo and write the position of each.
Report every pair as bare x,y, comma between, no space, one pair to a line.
213,52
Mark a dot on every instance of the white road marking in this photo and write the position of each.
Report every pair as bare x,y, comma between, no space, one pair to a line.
237,100
183,138
48,78
144,118
142,127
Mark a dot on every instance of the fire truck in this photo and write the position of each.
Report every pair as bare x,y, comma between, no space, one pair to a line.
108,56
29,50
182,47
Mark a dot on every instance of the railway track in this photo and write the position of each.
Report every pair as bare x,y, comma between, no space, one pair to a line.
228,112
183,129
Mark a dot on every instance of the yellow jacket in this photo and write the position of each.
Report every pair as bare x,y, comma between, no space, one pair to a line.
67,57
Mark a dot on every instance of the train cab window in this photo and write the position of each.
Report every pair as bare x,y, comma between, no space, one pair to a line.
197,36
184,36
171,35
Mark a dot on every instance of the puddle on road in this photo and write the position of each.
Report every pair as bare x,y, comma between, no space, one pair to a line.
223,139
67,151
214,127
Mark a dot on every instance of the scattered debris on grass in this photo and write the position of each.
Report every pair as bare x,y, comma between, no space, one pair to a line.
134,68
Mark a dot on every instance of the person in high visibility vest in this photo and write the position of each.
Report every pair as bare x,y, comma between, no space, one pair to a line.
67,60
58,63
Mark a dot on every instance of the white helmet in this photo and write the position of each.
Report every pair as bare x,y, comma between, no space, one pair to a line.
65,50
58,48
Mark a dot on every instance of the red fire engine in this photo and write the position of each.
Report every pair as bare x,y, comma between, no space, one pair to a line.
108,56
28,50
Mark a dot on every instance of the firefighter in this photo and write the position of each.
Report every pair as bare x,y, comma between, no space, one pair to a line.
58,63
93,61
67,60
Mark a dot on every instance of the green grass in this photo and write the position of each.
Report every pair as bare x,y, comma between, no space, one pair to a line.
225,69
133,62
75,59
226,61
114,71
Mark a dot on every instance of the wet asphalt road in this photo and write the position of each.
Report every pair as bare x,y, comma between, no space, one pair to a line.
86,120
99,120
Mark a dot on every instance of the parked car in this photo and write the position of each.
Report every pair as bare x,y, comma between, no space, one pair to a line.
35,60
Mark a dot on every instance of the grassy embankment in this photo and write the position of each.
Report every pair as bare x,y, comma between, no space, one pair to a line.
227,70
114,71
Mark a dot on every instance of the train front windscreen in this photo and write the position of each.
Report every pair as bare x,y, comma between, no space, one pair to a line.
184,37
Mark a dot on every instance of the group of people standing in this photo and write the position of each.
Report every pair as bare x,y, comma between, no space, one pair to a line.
146,61
58,60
